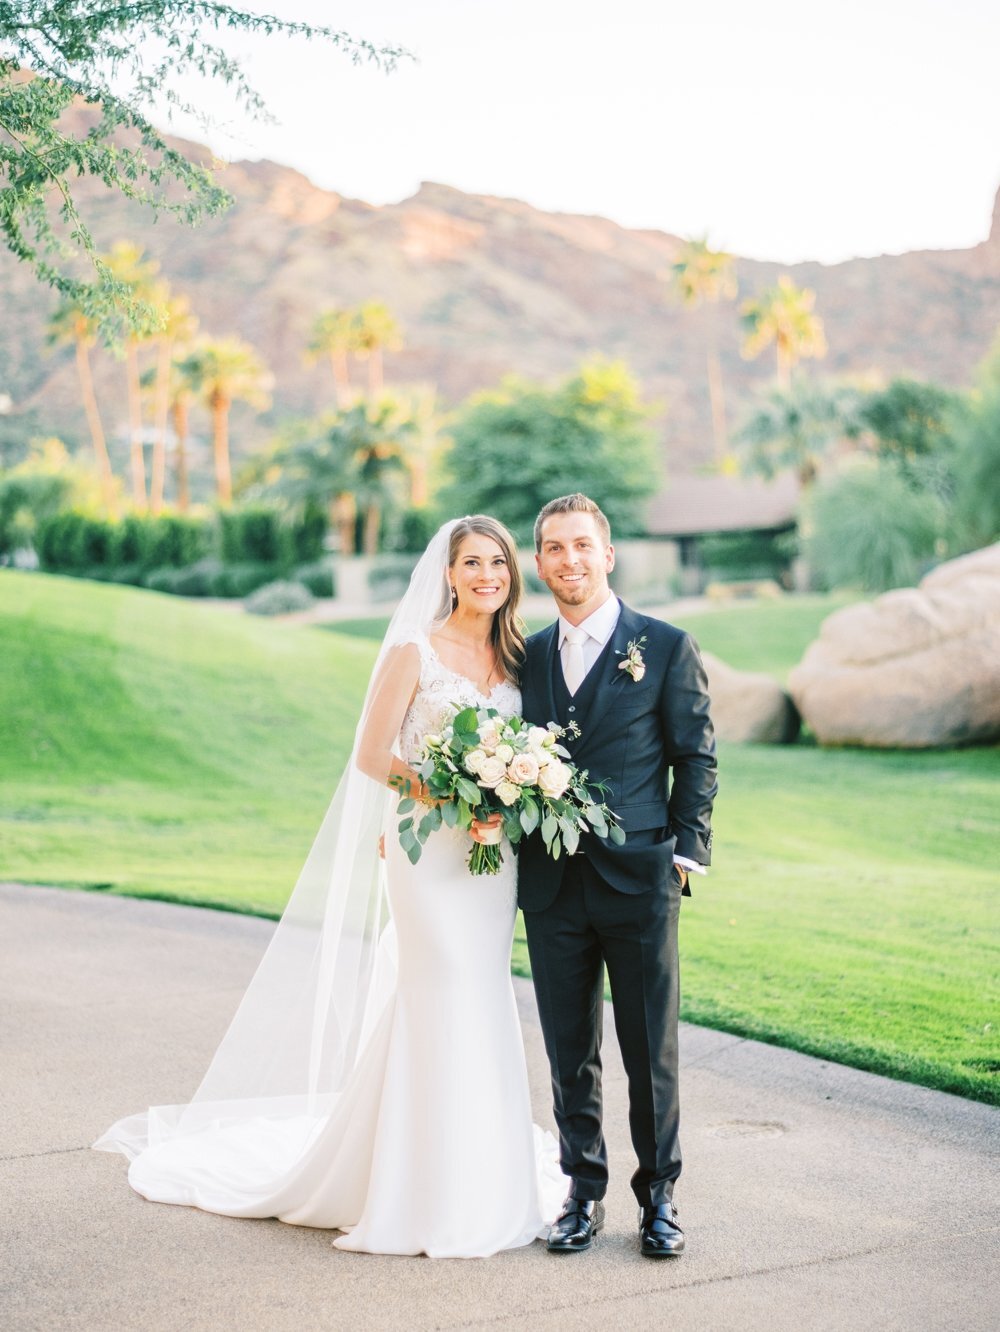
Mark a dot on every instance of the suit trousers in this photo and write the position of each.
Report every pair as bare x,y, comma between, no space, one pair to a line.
589,926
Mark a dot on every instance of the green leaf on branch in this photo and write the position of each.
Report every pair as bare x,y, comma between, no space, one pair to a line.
469,791
617,834
405,805
449,813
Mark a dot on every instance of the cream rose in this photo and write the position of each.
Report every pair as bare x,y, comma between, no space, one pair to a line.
492,771
523,769
507,792
489,736
537,735
554,778
473,761
505,753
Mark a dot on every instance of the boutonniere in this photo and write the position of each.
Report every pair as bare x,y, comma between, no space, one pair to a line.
633,663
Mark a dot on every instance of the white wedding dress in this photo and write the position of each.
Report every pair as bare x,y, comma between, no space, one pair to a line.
430,1147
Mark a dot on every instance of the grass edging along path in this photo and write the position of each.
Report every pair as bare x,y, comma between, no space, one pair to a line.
156,747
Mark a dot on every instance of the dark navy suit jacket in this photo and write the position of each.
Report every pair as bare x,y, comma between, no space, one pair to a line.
651,741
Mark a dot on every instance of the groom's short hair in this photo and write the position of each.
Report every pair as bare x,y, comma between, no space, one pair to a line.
573,504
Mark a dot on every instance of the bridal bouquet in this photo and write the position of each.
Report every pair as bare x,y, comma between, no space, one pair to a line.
483,764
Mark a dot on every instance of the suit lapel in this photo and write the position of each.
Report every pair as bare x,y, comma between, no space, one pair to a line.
611,680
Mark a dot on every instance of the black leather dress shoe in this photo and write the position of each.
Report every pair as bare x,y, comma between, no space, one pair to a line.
575,1227
659,1234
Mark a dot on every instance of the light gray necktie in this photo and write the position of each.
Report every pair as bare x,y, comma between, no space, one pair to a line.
573,665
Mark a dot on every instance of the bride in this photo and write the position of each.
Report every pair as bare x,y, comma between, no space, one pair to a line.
373,1080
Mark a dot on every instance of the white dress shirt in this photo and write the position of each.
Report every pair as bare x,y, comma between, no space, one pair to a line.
599,626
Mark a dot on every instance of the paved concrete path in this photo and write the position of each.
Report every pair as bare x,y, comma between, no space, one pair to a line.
814,1196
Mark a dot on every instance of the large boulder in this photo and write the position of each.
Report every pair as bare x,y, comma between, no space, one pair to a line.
913,669
749,708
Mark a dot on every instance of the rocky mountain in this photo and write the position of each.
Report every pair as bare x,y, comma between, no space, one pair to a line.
484,286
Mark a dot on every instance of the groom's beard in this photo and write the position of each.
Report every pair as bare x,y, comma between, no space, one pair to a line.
579,594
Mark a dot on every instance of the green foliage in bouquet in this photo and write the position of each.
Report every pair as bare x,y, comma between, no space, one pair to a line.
483,764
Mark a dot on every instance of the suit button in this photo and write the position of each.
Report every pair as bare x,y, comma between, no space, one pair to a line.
572,709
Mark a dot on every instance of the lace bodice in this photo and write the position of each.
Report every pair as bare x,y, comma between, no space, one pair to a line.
440,693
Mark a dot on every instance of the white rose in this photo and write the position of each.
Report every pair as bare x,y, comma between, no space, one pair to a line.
537,735
550,738
489,737
432,739
507,792
523,769
491,771
505,753
473,761
554,779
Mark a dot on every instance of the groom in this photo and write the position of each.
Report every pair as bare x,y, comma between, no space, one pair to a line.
636,689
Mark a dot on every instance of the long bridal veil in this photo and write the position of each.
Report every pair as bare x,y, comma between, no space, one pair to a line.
329,971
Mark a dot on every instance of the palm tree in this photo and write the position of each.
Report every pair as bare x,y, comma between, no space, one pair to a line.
420,405
181,391
334,335
178,328
375,331
347,466
701,274
70,324
128,264
224,371
795,428
785,316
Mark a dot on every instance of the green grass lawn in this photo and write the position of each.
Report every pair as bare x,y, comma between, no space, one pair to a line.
161,748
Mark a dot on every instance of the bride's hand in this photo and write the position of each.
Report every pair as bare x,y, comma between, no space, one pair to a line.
479,826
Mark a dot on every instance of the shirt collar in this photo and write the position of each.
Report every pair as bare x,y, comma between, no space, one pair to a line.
599,624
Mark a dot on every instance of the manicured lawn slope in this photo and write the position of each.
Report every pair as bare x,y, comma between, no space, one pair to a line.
158,747
155,746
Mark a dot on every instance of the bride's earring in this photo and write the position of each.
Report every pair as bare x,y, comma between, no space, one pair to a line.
454,597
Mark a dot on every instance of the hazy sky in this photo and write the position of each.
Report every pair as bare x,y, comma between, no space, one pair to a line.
786,129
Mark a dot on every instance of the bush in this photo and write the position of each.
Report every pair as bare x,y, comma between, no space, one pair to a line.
197,580
319,578
255,534
61,543
176,540
414,531
308,534
872,531
389,576
738,556
279,599
239,580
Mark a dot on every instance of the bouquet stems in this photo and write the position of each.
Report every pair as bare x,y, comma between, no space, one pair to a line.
485,859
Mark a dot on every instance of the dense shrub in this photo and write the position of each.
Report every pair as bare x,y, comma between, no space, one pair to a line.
308,534
255,534
872,531
414,529
279,599
389,576
60,543
196,580
319,578
239,580
737,556
175,540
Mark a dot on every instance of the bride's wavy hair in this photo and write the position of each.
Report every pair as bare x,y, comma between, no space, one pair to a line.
508,627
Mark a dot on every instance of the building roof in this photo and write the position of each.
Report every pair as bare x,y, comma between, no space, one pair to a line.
696,505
